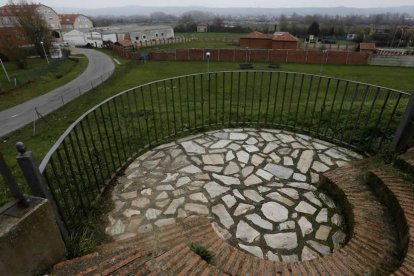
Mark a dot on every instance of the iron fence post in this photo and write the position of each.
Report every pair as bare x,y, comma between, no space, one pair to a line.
38,184
11,183
405,130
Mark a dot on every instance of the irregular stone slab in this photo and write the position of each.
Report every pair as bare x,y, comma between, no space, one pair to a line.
164,222
336,154
263,189
308,254
287,161
323,249
220,144
270,147
146,192
275,212
252,180
272,256
278,197
165,187
243,156
292,193
322,216
250,148
290,258
182,181
130,212
243,209
327,200
297,145
221,135
196,208
279,171
224,217
170,177
175,203
152,213
199,197
190,170
287,225
231,168
130,195
305,161
247,171
337,219
312,198
319,167
192,147
254,250
238,194
227,180
276,159
214,189
306,208
257,160
253,195
162,195
262,223
229,200
305,226
323,232
338,239
268,137
299,177
264,174
230,156
302,185
326,159
285,138
252,141
238,136
151,164
117,229
221,232
245,232
140,202
215,169
286,241
213,159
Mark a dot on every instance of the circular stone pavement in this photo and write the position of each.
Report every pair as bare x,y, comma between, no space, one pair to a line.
257,185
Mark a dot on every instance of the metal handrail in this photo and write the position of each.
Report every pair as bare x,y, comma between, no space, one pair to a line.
102,141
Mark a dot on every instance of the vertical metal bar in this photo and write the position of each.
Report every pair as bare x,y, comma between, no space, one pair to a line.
372,108
405,129
152,111
390,120
11,183
173,106
181,104
246,85
195,102
120,129
260,100
340,108
332,108
307,102
323,107
139,137
283,98
292,92
349,111
95,151
314,104
253,98
159,110
299,98
202,99
128,138
166,108
188,102
107,137
216,97
238,98
231,97
223,98
102,143
268,97
89,156
114,134
275,100
355,123
209,97
145,115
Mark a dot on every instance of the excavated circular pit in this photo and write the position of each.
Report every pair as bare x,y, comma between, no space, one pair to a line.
257,185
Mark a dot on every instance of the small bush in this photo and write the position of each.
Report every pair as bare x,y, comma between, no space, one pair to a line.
201,251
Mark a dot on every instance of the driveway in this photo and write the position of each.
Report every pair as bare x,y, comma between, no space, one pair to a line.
100,68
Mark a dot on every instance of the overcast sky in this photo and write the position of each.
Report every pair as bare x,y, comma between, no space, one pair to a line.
223,3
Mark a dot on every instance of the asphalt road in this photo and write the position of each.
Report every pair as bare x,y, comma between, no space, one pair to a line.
100,68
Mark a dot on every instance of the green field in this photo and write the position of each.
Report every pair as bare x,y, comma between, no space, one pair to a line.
39,78
212,35
242,102
191,44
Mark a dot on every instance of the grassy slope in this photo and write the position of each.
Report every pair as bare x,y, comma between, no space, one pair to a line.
212,35
130,74
60,75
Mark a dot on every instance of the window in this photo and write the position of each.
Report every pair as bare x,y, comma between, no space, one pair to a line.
156,35
162,34
144,36
137,38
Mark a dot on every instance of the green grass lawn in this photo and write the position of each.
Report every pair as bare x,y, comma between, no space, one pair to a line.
129,74
191,44
41,79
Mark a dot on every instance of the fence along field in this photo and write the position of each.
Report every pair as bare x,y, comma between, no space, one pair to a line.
104,140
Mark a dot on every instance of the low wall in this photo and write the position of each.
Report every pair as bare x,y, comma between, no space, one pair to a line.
402,61
30,241
257,55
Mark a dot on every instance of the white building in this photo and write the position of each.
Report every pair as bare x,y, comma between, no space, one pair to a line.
75,22
81,38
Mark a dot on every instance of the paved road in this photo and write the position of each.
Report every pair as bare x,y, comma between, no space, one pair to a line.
99,69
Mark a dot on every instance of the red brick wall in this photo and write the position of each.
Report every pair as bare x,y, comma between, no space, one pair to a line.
256,43
291,45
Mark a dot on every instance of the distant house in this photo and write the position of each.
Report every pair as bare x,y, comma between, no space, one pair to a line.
278,40
202,28
351,36
75,22
81,38
367,47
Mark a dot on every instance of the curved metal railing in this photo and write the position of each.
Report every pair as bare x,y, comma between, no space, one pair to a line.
97,146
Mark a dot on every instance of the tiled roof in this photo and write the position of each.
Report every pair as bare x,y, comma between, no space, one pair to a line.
367,46
277,36
68,19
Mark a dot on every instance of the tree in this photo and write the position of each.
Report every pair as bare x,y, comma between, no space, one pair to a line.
31,25
314,29
218,22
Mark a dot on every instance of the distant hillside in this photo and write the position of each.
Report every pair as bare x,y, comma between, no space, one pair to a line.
140,10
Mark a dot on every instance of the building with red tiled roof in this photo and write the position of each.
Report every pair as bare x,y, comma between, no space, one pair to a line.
258,40
75,22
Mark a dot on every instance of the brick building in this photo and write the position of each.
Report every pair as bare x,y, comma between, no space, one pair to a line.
276,41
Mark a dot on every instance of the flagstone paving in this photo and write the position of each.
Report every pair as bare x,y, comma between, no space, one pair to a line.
258,186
